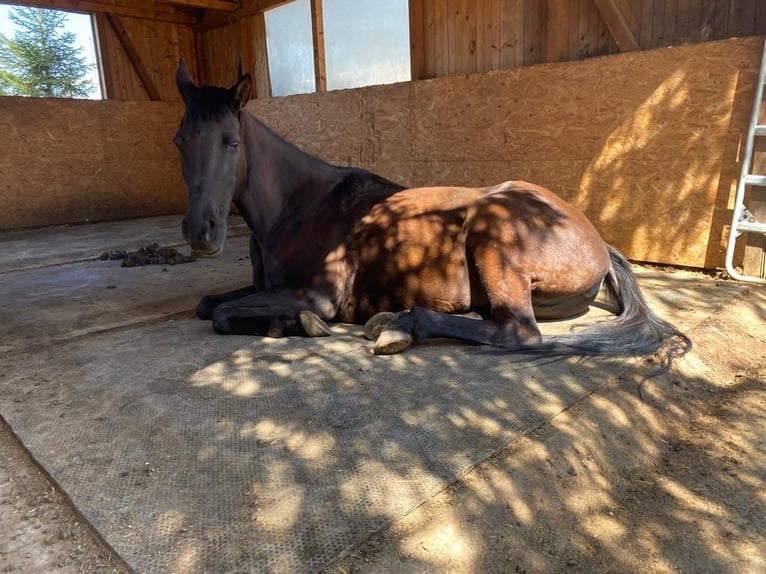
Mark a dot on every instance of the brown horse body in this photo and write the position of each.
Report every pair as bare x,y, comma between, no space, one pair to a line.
342,244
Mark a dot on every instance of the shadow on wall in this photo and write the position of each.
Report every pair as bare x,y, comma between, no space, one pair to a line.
647,211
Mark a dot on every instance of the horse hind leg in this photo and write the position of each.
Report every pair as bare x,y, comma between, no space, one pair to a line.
511,325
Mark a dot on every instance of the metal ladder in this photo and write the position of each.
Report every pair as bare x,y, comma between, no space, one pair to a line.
743,221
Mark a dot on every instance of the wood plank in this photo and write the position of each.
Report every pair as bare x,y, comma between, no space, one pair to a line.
153,11
658,24
556,30
223,5
617,25
530,50
417,40
135,58
317,34
481,36
741,18
511,34
669,25
493,25
682,21
647,20
429,16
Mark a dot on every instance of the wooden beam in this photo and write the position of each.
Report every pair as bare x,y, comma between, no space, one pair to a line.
215,19
617,25
222,5
417,40
133,56
261,70
253,7
153,11
317,34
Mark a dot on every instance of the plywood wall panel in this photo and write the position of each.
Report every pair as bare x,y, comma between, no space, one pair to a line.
72,161
646,143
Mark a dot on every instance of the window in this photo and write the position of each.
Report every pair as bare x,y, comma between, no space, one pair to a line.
290,48
47,53
367,42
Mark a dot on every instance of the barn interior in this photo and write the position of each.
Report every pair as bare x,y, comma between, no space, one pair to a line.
187,452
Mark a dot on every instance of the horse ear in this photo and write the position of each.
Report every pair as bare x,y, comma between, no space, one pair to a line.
183,80
241,90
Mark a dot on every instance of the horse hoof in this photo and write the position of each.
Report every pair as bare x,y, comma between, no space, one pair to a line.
392,341
377,323
313,325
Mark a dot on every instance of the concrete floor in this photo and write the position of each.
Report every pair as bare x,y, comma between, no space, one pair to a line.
191,452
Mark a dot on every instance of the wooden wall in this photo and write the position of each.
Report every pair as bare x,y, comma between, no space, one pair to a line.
155,45
73,161
449,37
652,161
469,36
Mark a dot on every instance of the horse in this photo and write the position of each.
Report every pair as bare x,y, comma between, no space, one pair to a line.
332,243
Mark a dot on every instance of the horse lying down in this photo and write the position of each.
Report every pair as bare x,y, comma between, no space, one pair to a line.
342,244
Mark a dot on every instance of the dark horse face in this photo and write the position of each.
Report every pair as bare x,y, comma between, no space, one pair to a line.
209,141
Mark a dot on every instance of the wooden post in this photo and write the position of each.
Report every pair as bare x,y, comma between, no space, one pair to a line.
417,40
317,33
261,65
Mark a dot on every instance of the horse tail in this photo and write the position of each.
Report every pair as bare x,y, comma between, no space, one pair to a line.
636,331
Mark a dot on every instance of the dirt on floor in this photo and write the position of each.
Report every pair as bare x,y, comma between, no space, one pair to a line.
660,475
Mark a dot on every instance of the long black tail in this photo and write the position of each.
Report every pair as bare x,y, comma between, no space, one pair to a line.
636,331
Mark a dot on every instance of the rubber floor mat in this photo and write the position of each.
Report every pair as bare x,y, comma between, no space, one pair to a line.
192,452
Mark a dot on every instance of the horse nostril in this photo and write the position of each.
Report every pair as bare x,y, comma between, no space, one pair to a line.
210,230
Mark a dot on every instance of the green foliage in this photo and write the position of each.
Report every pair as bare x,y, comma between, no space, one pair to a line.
41,59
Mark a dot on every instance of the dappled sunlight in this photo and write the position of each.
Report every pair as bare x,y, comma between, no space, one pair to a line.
691,501
188,557
448,544
672,127
279,500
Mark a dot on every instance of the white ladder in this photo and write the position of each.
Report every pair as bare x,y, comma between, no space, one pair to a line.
743,221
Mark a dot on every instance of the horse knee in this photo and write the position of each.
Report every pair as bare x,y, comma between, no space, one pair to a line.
221,317
206,307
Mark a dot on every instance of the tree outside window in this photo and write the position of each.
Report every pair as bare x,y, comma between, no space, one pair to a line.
42,58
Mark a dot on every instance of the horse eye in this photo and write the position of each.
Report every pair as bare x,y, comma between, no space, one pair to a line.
233,144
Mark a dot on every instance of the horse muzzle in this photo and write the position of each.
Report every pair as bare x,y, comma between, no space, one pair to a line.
207,254
206,240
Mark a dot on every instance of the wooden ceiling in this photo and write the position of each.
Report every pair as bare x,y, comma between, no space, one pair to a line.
204,14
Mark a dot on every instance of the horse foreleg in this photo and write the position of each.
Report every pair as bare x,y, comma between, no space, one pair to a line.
269,315
208,304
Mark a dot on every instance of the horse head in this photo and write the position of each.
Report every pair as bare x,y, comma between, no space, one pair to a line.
209,141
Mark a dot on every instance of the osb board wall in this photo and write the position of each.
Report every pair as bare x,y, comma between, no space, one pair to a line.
468,36
645,143
72,161
159,46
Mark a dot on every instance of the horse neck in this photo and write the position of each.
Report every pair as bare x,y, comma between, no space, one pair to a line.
278,175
